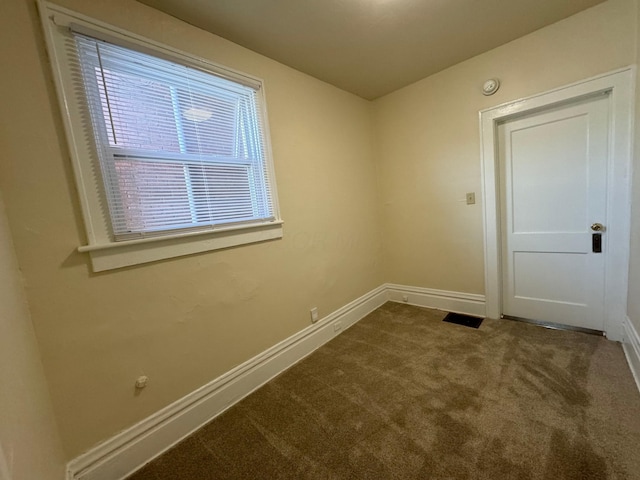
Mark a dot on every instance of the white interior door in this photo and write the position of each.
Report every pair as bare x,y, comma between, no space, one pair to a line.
553,176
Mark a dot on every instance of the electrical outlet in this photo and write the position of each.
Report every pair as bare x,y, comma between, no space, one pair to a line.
337,326
471,198
314,314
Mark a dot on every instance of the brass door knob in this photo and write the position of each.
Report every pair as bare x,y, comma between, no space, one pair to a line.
597,227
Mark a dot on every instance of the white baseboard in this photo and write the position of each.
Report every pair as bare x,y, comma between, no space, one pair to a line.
126,452
123,454
467,303
631,345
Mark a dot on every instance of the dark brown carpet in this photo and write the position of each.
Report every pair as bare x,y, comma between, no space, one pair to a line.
403,395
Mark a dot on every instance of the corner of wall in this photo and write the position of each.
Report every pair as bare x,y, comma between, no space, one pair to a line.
30,446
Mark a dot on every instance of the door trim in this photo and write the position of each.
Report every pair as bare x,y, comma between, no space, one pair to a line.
619,85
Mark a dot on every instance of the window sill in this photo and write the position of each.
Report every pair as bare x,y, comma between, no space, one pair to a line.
109,256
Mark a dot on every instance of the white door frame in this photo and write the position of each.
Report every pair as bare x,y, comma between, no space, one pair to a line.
619,84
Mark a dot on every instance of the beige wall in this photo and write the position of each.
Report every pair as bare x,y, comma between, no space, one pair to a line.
185,321
182,322
633,307
29,444
428,141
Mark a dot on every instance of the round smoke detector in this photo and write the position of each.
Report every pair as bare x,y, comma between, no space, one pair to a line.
491,86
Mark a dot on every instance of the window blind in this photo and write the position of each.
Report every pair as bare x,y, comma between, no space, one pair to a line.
179,148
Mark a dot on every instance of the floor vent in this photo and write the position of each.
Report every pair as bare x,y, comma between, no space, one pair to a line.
464,320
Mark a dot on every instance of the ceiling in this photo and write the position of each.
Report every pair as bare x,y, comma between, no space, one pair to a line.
370,47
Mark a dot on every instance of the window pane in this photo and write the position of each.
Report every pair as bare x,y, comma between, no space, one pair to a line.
222,193
208,123
153,195
138,112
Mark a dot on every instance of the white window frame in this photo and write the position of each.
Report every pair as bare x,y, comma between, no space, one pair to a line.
104,251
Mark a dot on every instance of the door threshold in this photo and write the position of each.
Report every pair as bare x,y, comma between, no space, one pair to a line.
554,326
